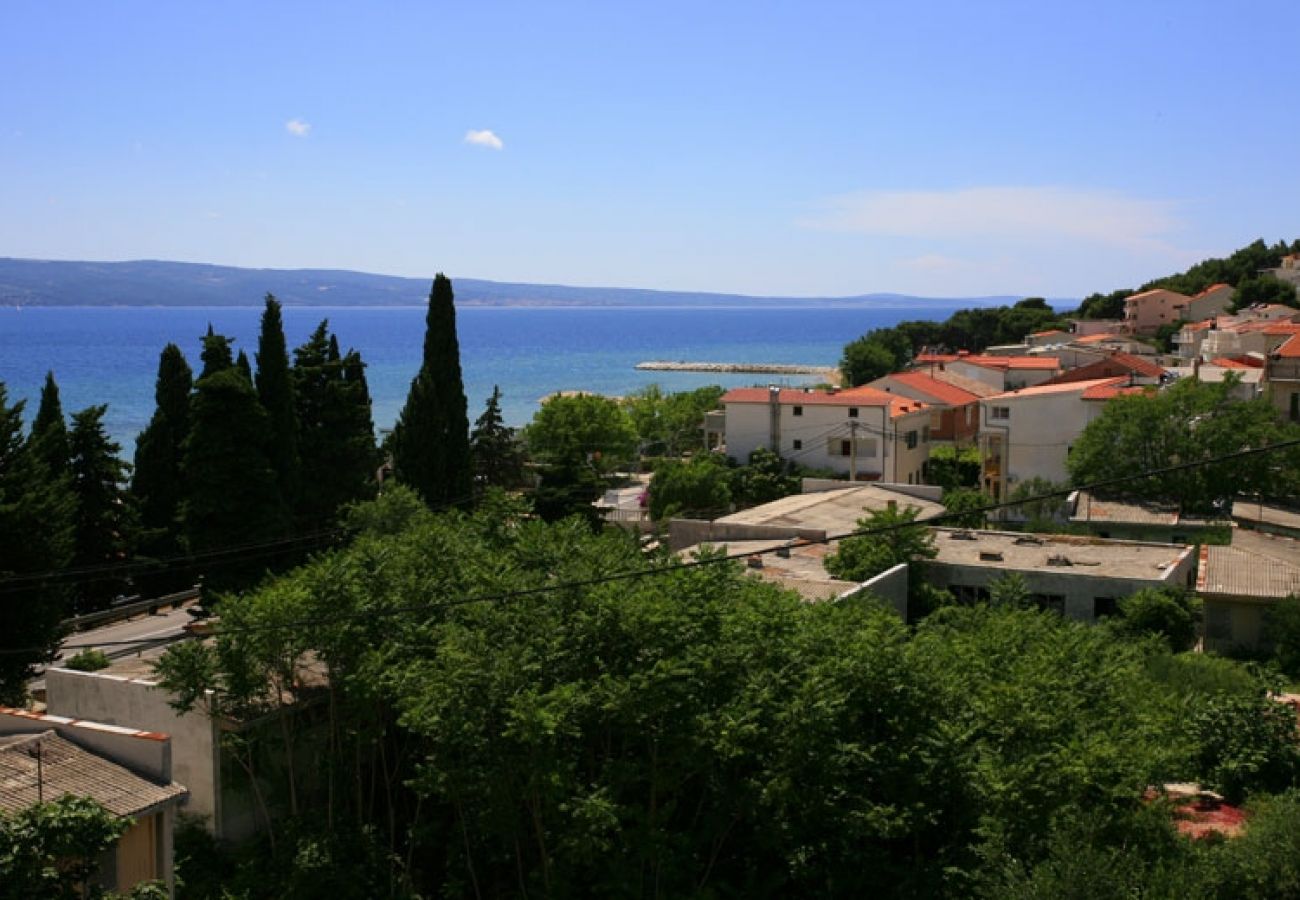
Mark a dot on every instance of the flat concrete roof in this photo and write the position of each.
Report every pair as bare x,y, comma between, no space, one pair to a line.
1265,514
834,512
1090,508
1087,556
803,570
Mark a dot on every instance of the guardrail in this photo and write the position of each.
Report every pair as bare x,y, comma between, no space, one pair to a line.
127,610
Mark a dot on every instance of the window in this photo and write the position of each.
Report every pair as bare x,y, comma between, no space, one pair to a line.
798,411
925,434
846,447
1295,407
798,444
1050,602
1104,606
853,412
1218,622
910,439
1000,412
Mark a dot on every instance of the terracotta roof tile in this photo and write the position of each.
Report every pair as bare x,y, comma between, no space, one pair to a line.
858,396
936,391
1079,387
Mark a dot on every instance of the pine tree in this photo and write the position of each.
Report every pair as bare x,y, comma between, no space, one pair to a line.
104,524
156,485
498,460
35,536
430,442
50,431
216,354
337,436
231,497
275,391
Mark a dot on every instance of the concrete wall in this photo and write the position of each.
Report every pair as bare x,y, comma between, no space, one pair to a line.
1080,587
1233,623
890,586
1211,303
135,703
1040,429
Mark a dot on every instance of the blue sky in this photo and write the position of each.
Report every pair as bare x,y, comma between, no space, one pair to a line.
943,149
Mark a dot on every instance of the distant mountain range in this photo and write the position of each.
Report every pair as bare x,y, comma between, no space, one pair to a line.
34,282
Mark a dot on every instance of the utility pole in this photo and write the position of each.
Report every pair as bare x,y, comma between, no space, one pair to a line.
853,450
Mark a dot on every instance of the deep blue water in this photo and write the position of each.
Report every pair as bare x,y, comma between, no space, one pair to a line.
110,355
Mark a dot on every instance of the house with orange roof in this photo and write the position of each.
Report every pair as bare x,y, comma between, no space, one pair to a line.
1146,311
954,411
1110,343
862,432
1282,378
1187,342
1212,301
1261,336
1002,373
1028,433
1117,365
1048,338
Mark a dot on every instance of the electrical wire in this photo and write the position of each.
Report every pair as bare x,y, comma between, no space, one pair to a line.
678,566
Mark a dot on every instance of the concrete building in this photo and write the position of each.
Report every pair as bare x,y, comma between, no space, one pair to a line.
954,411
1187,342
1281,379
861,432
1261,336
1114,343
1110,517
128,772
1289,270
1239,584
1080,577
1002,373
1085,327
1145,312
1137,369
1028,433
1212,301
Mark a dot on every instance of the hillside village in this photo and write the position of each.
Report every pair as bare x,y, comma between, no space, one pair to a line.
158,740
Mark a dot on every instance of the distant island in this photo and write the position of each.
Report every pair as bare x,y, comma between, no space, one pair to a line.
34,282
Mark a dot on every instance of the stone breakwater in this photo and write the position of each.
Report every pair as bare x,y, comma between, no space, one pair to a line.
830,373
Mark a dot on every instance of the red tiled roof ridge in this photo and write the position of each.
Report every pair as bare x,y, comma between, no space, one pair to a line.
943,391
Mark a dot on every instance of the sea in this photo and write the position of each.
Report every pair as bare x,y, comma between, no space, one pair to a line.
110,355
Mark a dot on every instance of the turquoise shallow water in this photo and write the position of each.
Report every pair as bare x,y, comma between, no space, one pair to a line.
110,355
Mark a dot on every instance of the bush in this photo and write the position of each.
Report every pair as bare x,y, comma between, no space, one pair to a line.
88,661
1282,630
1173,615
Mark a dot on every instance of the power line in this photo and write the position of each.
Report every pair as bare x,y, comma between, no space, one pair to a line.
726,558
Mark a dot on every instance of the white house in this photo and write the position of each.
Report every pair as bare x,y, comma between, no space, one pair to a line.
1028,433
861,432
1003,373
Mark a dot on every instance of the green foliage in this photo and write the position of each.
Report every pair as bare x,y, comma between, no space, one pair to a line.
497,457
885,350
764,479
275,393
430,441
1042,514
49,850
866,556
954,467
1188,421
216,355
1245,744
157,485
1173,615
567,490
49,436
966,505
1240,266
36,535
1011,590
105,523
88,660
232,498
1104,306
574,430
336,433
670,424
1263,289
1282,631
696,488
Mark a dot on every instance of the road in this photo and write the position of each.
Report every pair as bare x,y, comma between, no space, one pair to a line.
109,638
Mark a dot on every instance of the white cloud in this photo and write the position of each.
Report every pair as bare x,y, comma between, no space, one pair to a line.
1032,213
484,138
297,127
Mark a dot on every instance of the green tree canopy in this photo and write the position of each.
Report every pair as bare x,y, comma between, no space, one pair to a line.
430,442
105,519
1263,289
275,392
865,556
582,428
497,456
157,487
695,488
1172,615
50,431
671,423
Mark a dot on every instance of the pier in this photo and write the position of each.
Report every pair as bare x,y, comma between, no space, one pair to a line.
829,373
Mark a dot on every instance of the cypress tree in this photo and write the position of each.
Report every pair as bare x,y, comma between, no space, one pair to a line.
430,442
50,431
216,354
104,523
275,392
156,484
337,438
243,367
498,460
35,536
231,497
